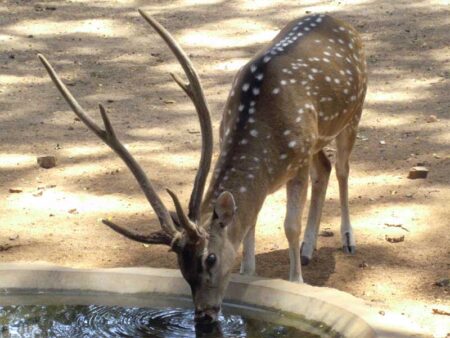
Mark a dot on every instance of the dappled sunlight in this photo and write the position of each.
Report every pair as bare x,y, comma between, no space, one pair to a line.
11,160
87,150
231,65
380,119
19,42
165,159
392,213
12,80
441,137
92,166
440,54
239,33
129,57
375,179
99,27
200,2
174,160
270,220
83,50
57,201
255,4
393,96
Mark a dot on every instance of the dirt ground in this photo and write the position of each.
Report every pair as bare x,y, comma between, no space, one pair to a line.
107,53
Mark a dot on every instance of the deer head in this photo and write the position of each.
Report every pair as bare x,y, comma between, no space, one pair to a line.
205,254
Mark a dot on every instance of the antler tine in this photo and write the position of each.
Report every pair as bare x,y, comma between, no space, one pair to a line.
191,229
109,137
158,237
194,90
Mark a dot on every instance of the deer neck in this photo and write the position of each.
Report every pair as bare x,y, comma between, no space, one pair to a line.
245,178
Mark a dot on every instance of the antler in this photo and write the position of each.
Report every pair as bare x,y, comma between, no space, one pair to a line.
109,137
194,90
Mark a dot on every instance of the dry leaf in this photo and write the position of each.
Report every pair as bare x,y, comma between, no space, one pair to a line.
392,239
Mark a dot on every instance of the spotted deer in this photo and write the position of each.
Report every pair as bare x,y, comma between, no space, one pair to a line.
303,90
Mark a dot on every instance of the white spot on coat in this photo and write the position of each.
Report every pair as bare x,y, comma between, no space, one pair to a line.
254,132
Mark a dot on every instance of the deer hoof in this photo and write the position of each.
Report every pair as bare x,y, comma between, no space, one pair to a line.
305,260
349,249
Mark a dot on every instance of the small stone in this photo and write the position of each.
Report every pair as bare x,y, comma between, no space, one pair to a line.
431,119
14,237
383,142
46,162
38,194
73,211
70,128
363,265
395,239
326,233
418,172
15,190
442,282
169,101
381,312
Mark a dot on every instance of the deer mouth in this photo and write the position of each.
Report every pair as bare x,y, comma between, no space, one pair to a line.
207,316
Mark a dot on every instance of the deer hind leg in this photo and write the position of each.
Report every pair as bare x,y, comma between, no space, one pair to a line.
320,174
248,259
344,144
296,195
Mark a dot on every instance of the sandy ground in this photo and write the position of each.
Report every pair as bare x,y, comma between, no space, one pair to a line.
106,53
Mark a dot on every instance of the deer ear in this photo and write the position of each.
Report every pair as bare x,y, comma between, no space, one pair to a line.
225,208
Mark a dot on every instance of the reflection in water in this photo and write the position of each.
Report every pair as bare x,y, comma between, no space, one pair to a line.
115,321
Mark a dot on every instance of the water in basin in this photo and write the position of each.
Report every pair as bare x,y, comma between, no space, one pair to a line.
63,314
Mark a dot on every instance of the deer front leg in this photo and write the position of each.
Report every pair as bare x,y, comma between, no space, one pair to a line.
320,173
248,259
296,195
344,145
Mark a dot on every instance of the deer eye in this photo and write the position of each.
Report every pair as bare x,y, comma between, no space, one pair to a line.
210,260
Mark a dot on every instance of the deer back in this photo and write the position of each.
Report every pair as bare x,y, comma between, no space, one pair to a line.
291,99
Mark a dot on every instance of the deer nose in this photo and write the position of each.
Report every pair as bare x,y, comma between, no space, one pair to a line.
207,316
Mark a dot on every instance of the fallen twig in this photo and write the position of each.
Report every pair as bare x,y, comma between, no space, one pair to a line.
440,312
396,226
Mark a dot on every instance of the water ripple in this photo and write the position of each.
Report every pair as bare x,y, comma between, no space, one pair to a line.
114,321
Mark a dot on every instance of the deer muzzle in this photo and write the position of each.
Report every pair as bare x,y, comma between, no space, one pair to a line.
207,316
